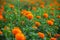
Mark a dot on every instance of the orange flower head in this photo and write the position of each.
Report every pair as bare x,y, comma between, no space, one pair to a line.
52,8
51,4
34,27
50,22
0,12
32,2
38,17
57,35
42,6
58,16
52,14
4,3
1,17
23,12
45,15
37,24
58,8
16,30
11,6
53,39
27,13
34,8
19,36
41,35
30,16
0,32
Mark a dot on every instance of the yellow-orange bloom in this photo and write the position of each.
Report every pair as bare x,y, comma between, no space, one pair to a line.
52,14
19,36
0,32
42,6
45,15
58,8
51,4
41,35
52,8
57,35
16,30
37,24
11,6
50,22
34,8
53,38
34,27
29,16
58,16
25,12
1,17
38,17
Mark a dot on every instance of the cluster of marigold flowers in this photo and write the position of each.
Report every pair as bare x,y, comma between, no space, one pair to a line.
27,14
18,34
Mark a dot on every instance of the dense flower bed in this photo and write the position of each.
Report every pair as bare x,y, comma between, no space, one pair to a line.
29,20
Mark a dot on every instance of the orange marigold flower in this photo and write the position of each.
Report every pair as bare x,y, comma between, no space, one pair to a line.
57,35
58,16
42,3
34,8
38,17
58,8
51,4
0,32
11,6
41,35
4,2
45,15
25,12
0,12
37,23
53,38
50,22
16,30
32,2
52,8
19,36
2,8
56,3
34,27
1,17
42,6
29,16
52,14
